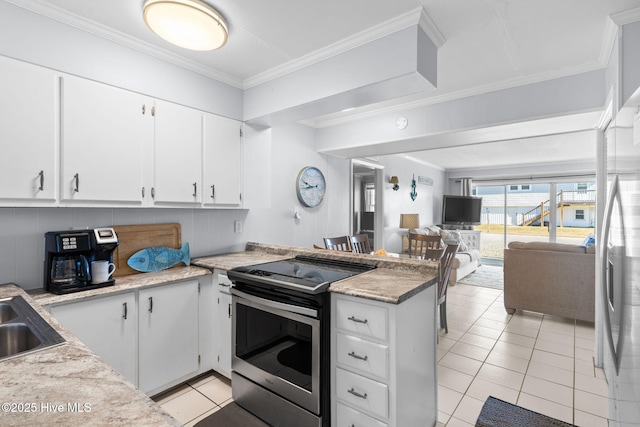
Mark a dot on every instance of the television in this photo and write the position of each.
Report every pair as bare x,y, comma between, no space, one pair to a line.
461,210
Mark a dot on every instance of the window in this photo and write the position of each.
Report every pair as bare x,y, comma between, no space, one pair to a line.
523,187
579,213
513,188
582,186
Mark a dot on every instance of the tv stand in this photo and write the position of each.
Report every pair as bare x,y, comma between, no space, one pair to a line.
460,227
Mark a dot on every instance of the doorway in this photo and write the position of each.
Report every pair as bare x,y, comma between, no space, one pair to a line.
367,212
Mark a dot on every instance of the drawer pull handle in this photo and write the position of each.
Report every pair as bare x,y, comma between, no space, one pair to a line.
355,319
356,394
357,356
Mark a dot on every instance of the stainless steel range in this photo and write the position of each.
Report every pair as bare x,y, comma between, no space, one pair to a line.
281,338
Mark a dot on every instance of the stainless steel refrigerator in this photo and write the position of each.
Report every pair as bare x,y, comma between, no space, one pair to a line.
620,256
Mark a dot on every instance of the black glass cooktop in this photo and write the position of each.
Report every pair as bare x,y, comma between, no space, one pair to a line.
306,274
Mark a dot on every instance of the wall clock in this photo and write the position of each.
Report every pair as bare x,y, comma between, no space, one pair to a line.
310,186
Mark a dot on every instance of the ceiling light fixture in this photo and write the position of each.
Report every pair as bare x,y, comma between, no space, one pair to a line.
190,24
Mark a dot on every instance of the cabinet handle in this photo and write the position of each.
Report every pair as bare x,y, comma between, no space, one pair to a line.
153,192
153,110
356,394
213,191
150,304
143,192
41,175
355,319
229,306
144,109
357,356
195,189
76,189
124,310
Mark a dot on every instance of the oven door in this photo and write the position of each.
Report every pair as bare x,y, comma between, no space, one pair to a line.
277,345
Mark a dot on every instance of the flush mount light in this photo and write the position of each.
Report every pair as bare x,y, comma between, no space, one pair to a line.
190,24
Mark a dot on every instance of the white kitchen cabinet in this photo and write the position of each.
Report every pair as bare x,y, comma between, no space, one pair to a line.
222,161
104,137
177,154
222,330
29,134
168,335
383,361
108,326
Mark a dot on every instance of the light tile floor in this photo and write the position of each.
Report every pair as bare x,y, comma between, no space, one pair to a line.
197,399
543,363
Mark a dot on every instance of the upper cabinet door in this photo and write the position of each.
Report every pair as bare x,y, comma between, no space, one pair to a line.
103,135
222,161
178,151
28,133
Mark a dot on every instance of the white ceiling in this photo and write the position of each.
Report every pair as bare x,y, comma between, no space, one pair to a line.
488,44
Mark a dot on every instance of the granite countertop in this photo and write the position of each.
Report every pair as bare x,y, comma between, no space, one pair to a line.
125,283
49,380
393,281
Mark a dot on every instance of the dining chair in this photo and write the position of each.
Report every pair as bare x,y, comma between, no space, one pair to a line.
341,243
444,271
360,244
425,246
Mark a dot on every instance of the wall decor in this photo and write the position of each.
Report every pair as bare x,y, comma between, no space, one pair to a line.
310,186
413,193
424,180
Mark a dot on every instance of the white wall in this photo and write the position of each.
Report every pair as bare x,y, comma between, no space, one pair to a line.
273,159
428,204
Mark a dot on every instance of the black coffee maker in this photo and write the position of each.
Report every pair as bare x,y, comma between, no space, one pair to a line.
68,256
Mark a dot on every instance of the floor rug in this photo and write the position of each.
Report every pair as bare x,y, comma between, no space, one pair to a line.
231,415
487,276
498,413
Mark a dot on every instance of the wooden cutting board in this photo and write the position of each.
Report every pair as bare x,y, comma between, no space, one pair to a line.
133,238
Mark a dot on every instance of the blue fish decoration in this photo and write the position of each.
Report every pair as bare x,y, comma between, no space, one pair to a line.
159,258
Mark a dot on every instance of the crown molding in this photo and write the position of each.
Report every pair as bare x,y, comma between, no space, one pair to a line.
431,29
108,33
608,41
416,16
626,17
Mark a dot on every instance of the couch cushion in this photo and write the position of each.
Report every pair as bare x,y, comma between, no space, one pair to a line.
464,258
546,246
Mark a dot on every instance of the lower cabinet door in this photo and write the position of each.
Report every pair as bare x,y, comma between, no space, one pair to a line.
168,335
107,325
346,416
362,392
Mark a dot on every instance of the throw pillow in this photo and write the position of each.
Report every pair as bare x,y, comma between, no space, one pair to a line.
457,237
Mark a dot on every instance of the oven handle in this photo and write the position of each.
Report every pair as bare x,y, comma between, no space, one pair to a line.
277,305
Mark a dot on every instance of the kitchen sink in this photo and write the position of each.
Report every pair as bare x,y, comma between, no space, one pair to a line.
16,338
23,330
7,312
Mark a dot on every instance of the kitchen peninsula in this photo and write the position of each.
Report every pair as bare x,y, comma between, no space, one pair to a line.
72,371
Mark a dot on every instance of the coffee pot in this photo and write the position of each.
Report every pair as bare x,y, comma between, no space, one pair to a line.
72,269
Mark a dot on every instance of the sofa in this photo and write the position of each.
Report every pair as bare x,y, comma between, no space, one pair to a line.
468,255
550,278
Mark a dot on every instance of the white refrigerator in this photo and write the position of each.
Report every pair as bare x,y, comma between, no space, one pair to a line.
619,283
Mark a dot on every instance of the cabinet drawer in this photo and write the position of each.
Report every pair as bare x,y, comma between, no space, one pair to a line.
362,392
346,416
362,318
364,355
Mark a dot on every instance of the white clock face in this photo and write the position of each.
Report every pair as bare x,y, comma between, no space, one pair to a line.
310,186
